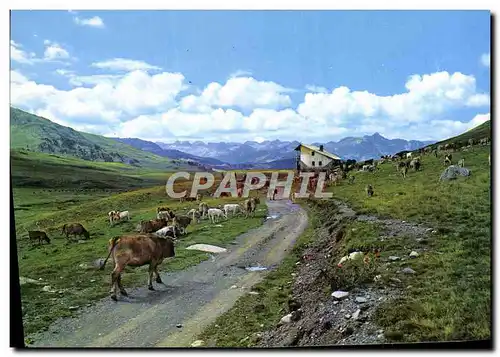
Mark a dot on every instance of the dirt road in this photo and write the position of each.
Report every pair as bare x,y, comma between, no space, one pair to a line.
192,298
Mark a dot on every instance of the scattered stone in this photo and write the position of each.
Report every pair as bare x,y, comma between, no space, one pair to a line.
396,280
178,325
89,305
394,258
377,278
98,262
253,293
347,331
293,305
339,295
48,289
218,225
380,336
73,308
296,315
23,280
347,316
92,280
409,287
81,241
355,315
342,310
234,287
261,325
286,319
361,299
335,302
294,274
198,343
207,248
413,254
408,271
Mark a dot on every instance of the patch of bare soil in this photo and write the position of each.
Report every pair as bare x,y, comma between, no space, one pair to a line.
315,318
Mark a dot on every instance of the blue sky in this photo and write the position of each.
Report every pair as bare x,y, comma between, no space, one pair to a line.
244,75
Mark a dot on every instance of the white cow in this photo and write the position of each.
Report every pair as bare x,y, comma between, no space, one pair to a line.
120,216
233,208
215,213
195,215
164,232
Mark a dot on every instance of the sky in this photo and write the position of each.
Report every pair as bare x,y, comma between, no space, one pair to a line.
254,75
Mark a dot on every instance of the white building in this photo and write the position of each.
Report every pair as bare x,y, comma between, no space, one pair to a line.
315,158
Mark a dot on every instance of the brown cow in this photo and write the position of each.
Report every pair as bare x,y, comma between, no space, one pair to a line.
153,225
40,235
75,229
137,250
250,205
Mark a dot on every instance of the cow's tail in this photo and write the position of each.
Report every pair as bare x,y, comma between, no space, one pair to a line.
113,242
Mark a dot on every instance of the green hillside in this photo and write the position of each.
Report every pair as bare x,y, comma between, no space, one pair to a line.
477,133
34,133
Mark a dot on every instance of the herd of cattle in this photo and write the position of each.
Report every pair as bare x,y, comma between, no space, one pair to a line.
154,239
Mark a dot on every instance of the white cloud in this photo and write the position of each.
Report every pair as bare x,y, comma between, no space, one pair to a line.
17,54
240,73
17,77
139,104
95,21
485,59
103,104
122,64
426,96
54,51
242,92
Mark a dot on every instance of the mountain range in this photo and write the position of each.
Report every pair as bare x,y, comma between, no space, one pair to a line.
31,132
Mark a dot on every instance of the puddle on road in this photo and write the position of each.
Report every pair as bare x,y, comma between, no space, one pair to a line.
257,268
274,216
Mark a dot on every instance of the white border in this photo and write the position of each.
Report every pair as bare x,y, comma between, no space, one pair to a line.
185,4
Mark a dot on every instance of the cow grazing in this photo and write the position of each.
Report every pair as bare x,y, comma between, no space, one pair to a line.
111,215
404,171
137,250
76,229
215,213
120,216
203,209
168,231
182,222
447,159
234,208
369,190
40,235
194,214
164,215
152,225
250,205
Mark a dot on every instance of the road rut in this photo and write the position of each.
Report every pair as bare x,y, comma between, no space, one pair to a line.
192,298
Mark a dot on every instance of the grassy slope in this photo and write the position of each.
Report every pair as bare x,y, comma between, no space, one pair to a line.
28,131
31,169
449,298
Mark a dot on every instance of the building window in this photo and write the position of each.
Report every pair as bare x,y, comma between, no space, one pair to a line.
319,163
312,154
313,163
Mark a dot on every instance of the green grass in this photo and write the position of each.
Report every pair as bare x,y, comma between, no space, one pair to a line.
58,263
451,293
